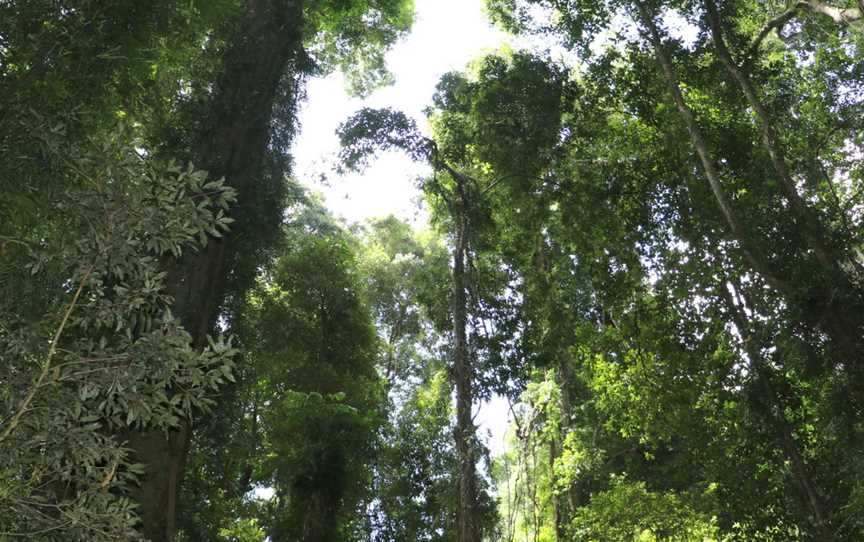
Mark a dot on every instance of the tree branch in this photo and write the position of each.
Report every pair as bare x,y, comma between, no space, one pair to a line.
46,366
749,247
843,16
838,15
813,229
777,23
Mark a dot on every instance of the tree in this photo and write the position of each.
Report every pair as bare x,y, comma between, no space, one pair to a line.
455,193
263,62
621,251
92,349
212,84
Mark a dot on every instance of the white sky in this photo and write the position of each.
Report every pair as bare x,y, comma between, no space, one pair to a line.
446,36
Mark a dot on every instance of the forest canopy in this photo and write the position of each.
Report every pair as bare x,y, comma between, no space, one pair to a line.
650,248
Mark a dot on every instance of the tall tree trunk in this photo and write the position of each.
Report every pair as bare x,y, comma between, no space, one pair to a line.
809,491
232,145
813,230
839,304
752,252
558,513
571,499
467,527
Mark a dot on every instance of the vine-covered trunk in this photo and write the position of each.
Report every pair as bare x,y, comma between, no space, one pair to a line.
467,527
567,501
232,144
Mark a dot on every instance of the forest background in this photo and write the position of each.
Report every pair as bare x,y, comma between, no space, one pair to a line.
648,242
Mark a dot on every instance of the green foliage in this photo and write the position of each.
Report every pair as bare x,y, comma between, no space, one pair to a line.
243,531
528,492
97,351
406,278
369,131
628,511
100,103
353,36
510,103
680,374
69,71
415,487
308,397
679,363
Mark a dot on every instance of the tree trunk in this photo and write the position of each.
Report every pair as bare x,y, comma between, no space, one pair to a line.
572,498
837,303
467,527
557,499
232,145
807,219
749,247
808,488
829,304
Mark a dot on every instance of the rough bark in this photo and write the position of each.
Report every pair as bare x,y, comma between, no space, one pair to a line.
232,145
467,527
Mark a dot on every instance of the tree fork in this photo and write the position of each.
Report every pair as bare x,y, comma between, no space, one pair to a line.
833,314
814,231
232,145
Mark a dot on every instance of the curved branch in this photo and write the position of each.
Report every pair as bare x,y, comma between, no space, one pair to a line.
813,229
777,23
748,247
838,15
844,16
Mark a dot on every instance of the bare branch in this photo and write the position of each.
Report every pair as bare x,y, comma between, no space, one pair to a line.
46,366
838,15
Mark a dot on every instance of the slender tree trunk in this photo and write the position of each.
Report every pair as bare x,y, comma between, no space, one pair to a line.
807,219
749,248
572,500
838,302
830,304
467,527
232,145
558,515
811,495
813,230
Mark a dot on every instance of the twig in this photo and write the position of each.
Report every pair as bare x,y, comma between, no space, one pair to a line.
6,239
41,531
844,16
